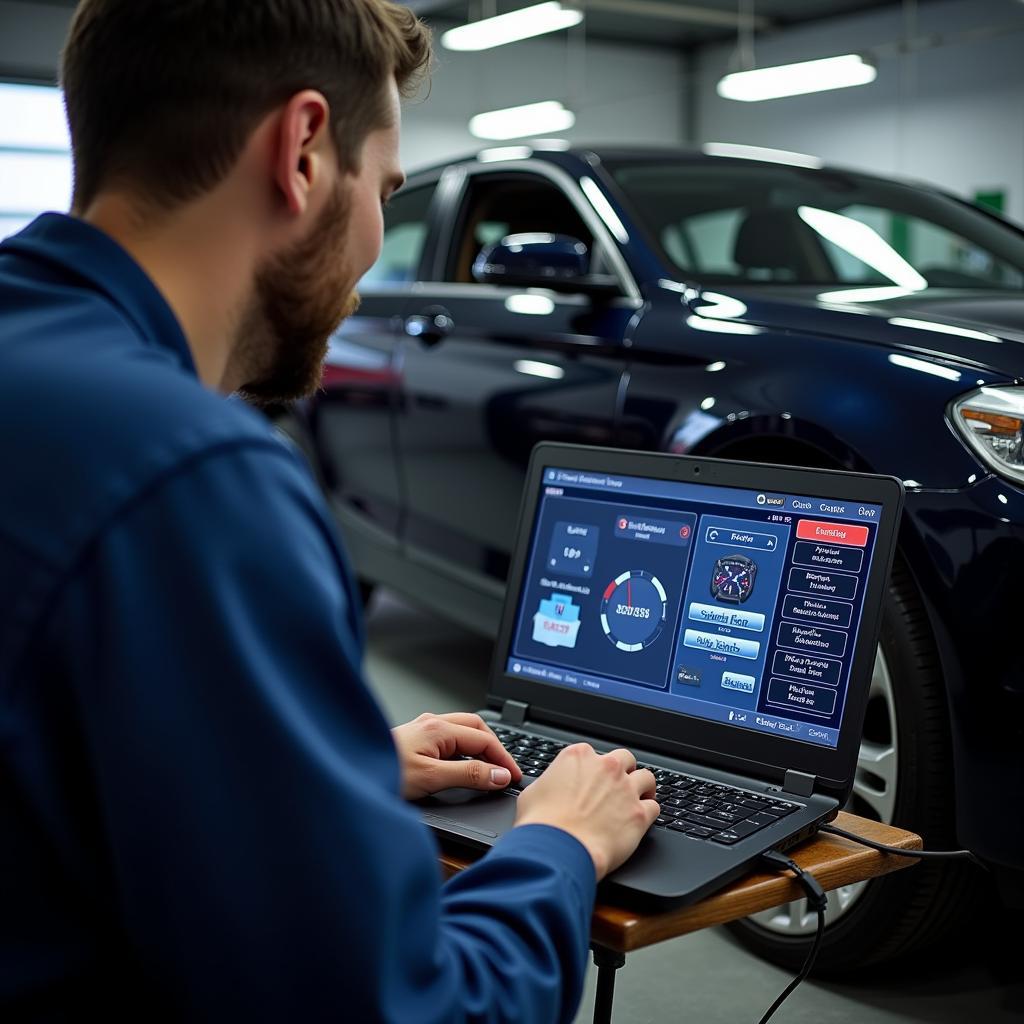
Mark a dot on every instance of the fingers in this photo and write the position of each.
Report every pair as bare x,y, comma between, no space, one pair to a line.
651,809
624,757
482,743
465,718
470,775
644,782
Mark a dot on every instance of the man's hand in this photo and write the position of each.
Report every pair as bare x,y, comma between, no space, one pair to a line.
601,799
426,743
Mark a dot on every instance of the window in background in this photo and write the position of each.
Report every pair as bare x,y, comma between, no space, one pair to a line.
35,155
405,232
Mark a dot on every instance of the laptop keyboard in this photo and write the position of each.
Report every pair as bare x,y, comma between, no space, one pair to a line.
692,806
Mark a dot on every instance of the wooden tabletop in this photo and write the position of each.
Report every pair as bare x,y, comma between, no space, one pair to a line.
834,861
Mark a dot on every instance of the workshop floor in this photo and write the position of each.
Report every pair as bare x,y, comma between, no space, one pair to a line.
418,662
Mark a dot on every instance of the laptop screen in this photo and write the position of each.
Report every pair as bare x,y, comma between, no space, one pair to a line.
724,604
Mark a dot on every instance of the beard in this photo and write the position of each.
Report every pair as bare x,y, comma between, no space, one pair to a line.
300,298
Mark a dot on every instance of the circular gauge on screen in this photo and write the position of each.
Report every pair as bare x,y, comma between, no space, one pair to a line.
634,610
732,579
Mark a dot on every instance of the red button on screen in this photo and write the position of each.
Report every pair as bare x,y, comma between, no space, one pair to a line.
834,533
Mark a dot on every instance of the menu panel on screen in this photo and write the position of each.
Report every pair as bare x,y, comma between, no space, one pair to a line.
720,603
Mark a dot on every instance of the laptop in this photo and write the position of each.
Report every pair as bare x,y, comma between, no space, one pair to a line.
719,619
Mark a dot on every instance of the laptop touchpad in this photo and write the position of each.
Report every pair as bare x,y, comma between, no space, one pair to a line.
486,812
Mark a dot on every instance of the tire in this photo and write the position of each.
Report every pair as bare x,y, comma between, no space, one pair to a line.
905,777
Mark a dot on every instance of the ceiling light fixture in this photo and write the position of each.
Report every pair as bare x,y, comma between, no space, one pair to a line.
797,79
516,122
510,28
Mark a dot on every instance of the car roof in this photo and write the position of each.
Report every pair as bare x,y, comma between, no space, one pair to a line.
556,151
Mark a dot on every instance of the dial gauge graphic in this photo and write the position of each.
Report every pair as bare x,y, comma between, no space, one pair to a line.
732,578
634,610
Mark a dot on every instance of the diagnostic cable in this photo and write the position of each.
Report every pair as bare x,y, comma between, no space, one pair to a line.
817,898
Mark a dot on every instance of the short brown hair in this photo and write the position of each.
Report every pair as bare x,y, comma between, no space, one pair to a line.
162,95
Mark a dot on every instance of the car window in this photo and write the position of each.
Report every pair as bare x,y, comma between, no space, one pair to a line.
509,204
706,240
782,225
405,233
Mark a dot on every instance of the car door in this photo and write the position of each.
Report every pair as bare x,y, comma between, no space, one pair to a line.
488,371
353,418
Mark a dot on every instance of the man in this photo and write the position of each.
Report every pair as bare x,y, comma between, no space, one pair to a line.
200,805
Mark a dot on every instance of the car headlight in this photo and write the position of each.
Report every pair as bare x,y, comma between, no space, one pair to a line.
991,420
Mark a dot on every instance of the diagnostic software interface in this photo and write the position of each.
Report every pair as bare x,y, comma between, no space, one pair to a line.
725,604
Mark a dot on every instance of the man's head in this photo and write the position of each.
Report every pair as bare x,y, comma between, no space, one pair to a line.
286,108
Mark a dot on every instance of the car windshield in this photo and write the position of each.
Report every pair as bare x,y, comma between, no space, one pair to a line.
724,221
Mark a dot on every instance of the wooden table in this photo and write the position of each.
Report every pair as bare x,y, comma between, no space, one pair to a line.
616,930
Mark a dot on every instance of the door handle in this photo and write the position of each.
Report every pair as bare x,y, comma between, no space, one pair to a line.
430,328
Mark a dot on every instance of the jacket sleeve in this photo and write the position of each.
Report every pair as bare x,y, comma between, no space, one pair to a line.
263,865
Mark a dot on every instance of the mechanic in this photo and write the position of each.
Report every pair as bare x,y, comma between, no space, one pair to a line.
201,806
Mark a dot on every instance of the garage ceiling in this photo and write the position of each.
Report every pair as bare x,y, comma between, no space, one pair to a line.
672,23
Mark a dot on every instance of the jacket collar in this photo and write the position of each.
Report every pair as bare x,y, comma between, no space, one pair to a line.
82,251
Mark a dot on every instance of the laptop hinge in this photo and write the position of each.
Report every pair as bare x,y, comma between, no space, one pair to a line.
514,712
799,783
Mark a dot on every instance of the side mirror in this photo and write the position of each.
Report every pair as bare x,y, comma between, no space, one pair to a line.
539,260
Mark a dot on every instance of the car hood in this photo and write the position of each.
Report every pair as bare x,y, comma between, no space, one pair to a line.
983,329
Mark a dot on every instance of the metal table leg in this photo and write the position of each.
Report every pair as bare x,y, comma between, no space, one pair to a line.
607,962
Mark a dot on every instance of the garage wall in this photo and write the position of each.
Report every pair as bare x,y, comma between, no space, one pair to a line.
952,115
31,35
623,94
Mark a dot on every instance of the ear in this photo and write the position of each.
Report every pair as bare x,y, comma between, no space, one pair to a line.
303,130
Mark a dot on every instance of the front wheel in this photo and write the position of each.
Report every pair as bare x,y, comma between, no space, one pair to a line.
904,777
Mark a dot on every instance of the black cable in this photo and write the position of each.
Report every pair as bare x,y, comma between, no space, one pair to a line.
818,899
881,847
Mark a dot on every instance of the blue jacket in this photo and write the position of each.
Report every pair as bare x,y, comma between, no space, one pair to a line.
199,799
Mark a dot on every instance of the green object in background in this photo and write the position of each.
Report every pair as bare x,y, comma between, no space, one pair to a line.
900,235
993,199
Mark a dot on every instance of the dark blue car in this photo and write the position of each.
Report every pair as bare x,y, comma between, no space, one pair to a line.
782,312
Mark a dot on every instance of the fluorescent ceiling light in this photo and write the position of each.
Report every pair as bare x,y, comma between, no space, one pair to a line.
772,156
863,243
510,28
797,79
515,122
